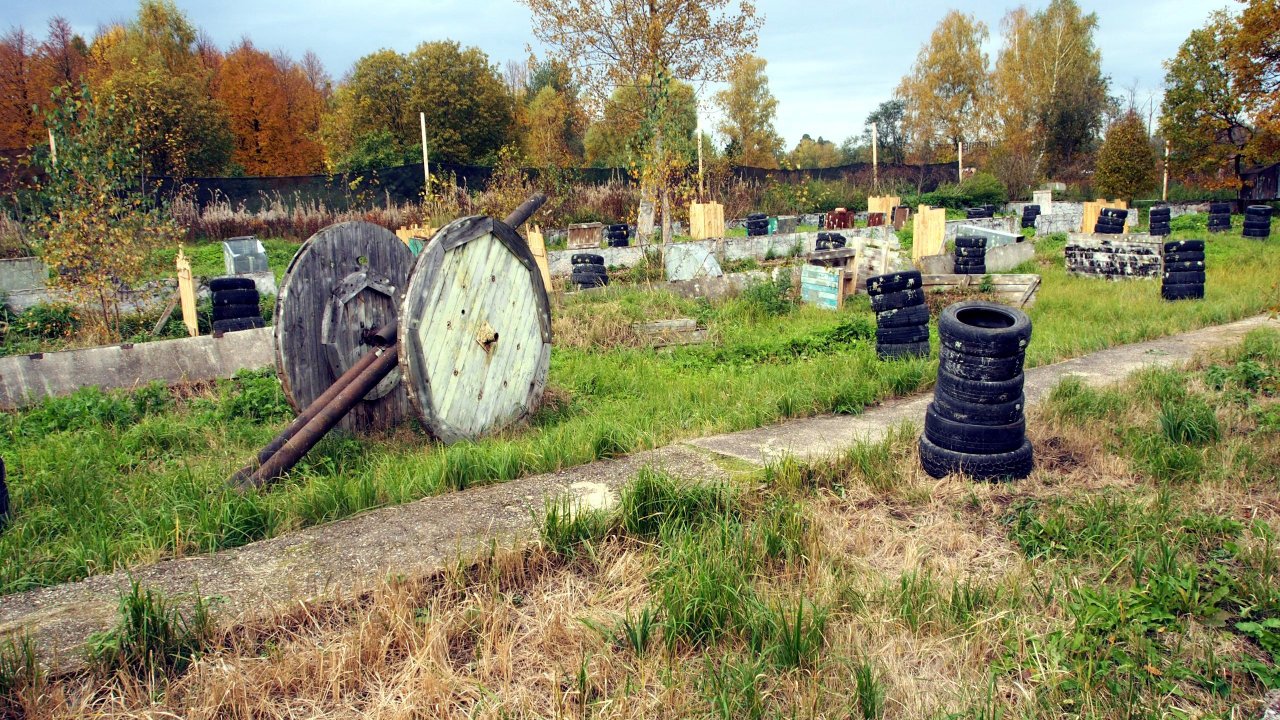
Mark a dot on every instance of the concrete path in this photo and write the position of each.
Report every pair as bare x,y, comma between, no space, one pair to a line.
341,558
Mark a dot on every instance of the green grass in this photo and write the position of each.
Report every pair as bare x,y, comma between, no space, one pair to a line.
105,481
206,258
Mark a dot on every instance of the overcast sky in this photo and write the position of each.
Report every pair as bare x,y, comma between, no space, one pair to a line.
830,63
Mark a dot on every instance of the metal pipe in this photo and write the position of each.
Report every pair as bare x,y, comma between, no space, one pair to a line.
385,360
526,210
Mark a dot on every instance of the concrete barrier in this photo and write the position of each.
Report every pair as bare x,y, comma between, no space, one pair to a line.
28,379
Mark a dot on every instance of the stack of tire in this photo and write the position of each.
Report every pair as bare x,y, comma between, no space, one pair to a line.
1110,221
1257,222
1159,221
978,213
617,235
902,320
971,255
235,304
588,271
975,423
757,224
829,241
1182,277
1219,217
1029,215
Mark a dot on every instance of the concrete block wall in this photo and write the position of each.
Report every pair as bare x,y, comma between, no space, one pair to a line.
1104,256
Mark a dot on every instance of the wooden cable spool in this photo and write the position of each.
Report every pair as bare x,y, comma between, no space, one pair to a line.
345,282
475,330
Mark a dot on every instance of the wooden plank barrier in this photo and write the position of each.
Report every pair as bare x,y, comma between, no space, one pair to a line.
187,294
930,228
1093,209
706,220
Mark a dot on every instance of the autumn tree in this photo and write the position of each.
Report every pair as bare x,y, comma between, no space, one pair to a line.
945,92
810,153
1126,163
1203,117
617,139
550,114
273,109
1047,95
20,90
641,45
468,110
1254,61
749,110
64,55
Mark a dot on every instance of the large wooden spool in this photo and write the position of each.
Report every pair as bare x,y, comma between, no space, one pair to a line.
475,330
344,282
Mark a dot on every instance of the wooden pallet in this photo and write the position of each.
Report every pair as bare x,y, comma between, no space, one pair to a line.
1016,290
666,333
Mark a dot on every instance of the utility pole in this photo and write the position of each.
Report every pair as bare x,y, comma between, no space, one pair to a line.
875,158
702,191
426,164
960,161
1164,193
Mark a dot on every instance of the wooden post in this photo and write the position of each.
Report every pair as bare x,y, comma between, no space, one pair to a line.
960,162
1164,193
875,160
538,247
701,184
53,149
426,164
187,293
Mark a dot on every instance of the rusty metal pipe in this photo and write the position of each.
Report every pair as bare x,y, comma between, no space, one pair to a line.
526,210
385,360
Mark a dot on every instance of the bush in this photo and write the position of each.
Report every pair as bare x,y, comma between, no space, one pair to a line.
984,189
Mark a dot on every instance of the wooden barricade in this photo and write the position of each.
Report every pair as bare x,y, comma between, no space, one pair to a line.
187,294
1093,209
930,228
706,220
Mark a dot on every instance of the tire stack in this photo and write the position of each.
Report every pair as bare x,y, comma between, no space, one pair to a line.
975,423
1029,215
829,241
1111,221
617,235
971,255
235,304
1159,221
1257,222
588,271
1219,217
757,224
978,213
902,320
1182,277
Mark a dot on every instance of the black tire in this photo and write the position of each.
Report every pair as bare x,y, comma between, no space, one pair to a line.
589,279
981,392
757,224
967,241
974,414
1182,292
895,300
1184,246
221,284
940,462
1184,266
1219,208
611,235
1194,277
1114,213
587,259
1257,224
618,242
893,282
906,335
1160,232
903,317
1030,209
1184,256
757,216
1158,225
971,270
975,439
237,324
1102,230
1256,233
589,270
231,312
618,227
977,367
1262,210
888,352
971,252
235,297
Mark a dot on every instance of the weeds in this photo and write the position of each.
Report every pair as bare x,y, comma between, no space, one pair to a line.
153,637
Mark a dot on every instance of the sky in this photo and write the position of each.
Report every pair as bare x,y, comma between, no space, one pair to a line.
830,63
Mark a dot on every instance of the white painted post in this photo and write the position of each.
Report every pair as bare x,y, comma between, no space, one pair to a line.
960,162
53,149
426,164
1164,193
701,185
875,158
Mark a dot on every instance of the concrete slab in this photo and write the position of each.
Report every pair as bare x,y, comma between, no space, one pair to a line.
339,559
830,434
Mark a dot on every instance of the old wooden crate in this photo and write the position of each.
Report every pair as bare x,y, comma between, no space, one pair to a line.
665,333
825,287
584,236
1016,290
